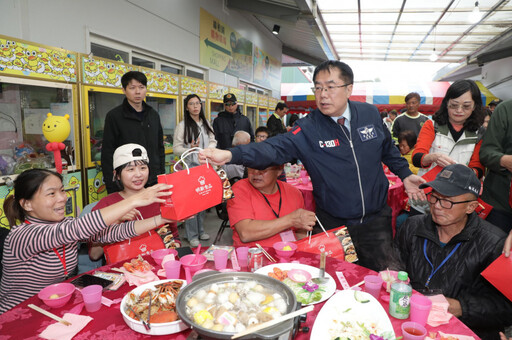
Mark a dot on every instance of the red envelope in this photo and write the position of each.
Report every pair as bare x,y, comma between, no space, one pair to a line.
499,274
194,190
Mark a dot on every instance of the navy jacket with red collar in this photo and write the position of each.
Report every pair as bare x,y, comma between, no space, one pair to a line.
348,182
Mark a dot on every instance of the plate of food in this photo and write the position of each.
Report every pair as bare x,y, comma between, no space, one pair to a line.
164,318
352,314
307,293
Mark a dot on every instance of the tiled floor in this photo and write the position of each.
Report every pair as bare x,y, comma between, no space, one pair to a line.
211,226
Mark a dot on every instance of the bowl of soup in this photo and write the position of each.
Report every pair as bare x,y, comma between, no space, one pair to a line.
219,305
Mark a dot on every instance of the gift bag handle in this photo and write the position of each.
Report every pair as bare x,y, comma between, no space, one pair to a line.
139,218
185,155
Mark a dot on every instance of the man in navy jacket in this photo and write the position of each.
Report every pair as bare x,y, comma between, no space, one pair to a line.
342,145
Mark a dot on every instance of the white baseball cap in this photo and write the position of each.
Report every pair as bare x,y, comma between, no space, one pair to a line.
128,153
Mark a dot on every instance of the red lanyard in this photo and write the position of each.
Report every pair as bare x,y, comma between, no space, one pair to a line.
61,258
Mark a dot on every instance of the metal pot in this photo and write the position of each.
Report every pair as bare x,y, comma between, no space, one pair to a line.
284,330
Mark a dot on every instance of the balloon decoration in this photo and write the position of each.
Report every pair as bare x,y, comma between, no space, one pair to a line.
56,129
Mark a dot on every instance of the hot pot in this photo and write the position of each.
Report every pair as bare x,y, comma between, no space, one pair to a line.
281,331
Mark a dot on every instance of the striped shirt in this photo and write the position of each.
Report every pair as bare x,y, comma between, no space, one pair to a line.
29,262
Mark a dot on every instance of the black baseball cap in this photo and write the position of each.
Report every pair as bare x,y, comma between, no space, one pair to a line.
455,180
495,102
230,97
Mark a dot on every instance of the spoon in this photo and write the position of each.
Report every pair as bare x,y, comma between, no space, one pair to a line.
322,278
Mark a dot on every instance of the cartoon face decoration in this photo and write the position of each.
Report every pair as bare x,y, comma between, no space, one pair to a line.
56,128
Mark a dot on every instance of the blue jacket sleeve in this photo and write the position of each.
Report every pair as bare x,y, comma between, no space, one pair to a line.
274,151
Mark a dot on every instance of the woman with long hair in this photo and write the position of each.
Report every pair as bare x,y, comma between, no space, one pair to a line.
41,248
454,134
192,132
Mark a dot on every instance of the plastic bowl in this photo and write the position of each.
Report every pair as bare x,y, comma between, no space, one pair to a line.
64,291
158,255
278,247
186,261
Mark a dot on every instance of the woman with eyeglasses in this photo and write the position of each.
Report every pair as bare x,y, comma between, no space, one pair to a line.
192,132
453,135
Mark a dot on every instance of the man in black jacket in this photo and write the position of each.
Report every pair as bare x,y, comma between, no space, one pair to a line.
275,122
133,122
446,250
230,121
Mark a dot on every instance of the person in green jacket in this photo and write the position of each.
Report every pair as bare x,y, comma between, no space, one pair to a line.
496,155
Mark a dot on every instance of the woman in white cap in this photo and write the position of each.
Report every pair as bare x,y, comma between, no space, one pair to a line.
41,248
192,132
131,172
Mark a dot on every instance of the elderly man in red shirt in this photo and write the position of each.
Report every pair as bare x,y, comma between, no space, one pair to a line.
266,210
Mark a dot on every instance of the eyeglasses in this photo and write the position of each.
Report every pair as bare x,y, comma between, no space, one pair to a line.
230,104
262,136
446,204
329,88
465,107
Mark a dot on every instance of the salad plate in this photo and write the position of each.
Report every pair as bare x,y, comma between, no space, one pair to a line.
307,293
352,314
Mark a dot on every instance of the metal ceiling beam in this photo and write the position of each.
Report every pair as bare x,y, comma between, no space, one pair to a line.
491,11
360,30
431,29
394,29
271,10
302,56
321,33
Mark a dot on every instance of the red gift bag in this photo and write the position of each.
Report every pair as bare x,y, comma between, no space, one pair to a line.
483,209
127,249
320,243
194,190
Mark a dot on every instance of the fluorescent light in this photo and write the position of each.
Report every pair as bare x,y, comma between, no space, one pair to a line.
433,57
475,14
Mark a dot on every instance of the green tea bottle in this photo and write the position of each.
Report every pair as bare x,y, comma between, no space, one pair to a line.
400,298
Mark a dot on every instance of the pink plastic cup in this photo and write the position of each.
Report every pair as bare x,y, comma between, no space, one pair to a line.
92,297
220,258
372,285
172,269
420,308
241,254
413,331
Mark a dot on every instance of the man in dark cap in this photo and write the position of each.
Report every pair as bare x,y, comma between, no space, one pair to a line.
446,250
493,104
230,121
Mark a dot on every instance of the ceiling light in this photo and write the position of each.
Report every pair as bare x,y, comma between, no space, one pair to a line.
434,56
475,14
276,29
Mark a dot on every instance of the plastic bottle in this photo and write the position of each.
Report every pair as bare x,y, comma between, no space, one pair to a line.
399,300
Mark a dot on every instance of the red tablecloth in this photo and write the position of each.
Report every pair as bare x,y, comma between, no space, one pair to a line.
22,322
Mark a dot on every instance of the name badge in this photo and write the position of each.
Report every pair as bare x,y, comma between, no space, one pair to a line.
367,133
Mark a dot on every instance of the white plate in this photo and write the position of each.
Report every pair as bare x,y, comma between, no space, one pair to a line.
343,306
156,328
330,286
